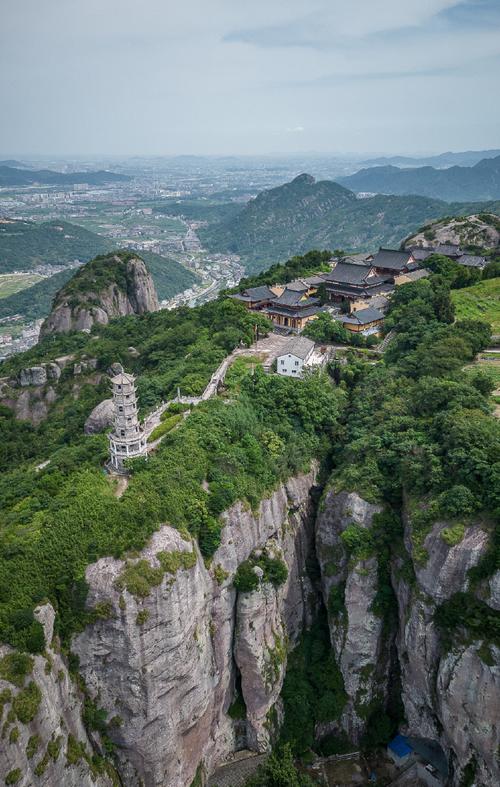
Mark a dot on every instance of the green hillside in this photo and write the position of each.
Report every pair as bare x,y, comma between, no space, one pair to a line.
34,302
480,182
480,302
11,176
169,276
26,244
305,214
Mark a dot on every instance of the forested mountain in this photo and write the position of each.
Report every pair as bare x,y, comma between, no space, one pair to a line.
305,214
480,182
169,276
26,244
33,303
111,285
466,158
12,176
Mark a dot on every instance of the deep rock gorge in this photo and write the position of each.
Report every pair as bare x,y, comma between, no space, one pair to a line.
170,662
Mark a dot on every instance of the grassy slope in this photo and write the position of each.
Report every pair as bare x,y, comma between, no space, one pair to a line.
10,284
480,302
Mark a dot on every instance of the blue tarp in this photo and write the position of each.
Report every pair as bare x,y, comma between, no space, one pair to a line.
400,746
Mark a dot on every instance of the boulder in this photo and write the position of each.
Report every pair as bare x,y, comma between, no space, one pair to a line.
33,375
100,418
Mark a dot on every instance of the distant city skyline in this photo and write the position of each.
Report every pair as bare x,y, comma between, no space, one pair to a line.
305,77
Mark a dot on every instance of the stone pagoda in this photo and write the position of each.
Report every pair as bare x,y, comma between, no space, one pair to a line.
128,440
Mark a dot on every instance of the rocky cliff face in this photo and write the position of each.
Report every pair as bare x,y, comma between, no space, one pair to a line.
168,663
349,586
34,390
176,651
44,740
452,697
108,287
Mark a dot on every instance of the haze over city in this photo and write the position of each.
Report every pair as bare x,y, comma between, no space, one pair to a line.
229,77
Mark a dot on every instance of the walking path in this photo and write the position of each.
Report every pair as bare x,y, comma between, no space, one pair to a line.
237,772
265,349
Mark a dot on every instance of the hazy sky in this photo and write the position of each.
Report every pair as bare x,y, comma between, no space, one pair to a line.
248,76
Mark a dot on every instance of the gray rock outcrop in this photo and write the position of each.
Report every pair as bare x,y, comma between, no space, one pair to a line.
451,697
131,291
349,587
171,678
52,748
100,418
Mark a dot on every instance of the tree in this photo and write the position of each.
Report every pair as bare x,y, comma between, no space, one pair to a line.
279,771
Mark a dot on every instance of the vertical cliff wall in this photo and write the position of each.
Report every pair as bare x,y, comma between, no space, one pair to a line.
166,660
450,695
349,584
44,741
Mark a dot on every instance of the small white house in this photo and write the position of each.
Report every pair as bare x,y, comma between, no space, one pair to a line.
294,356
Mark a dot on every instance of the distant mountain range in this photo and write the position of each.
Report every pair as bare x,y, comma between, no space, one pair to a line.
305,214
480,182
14,176
11,162
466,158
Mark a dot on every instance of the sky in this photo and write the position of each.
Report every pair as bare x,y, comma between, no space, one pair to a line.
217,77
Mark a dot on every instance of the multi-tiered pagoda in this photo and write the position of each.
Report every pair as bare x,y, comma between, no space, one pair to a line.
128,440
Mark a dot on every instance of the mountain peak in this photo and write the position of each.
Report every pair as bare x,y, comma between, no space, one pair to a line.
304,178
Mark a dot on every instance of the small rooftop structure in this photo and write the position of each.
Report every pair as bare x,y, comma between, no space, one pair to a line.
405,278
392,260
300,346
399,749
472,261
294,356
365,321
351,273
449,250
254,297
420,254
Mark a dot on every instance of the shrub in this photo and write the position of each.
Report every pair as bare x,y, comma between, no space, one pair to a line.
358,541
166,426
32,746
41,766
238,709
14,735
245,580
75,750
15,667
138,578
275,571
13,776
453,535
54,748
142,617
171,562
219,574
27,702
